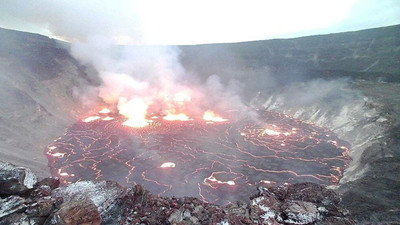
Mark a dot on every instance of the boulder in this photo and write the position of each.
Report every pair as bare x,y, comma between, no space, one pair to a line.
41,191
299,212
43,207
105,195
17,218
75,212
51,182
265,209
182,216
311,192
10,205
15,180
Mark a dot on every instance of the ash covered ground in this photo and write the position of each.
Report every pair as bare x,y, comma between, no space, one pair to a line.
218,162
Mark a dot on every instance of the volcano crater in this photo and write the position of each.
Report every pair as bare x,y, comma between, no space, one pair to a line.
218,162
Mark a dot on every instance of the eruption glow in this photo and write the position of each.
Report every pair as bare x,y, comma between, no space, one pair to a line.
182,97
211,116
91,119
105,110
135,110
180,117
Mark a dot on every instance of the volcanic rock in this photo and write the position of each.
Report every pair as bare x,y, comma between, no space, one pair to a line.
40,191
107,202
17,218
182,216
265,209
52,182
75,212
104,195
42,207
15,180
300,212
10,205
311,192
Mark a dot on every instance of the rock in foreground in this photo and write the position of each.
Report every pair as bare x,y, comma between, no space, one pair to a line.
107,202
14,180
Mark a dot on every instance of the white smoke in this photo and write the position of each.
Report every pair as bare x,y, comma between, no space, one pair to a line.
155,75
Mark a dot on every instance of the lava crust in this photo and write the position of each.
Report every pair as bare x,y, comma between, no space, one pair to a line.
218,162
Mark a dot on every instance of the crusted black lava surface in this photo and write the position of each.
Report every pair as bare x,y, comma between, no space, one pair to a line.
218,162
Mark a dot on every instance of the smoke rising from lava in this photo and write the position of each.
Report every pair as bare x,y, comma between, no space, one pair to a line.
152,80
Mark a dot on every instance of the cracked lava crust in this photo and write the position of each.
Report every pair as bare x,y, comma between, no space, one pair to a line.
218,162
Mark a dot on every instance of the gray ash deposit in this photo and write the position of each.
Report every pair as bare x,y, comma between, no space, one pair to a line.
218,162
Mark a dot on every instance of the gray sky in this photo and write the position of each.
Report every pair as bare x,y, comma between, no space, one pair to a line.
194,22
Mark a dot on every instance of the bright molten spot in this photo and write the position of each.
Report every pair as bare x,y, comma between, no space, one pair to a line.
57,154
271,132
211,116
91,118
105,110
135,110
213,179
168,165
230,182
180,116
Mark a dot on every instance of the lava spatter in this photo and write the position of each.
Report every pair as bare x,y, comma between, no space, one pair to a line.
218,162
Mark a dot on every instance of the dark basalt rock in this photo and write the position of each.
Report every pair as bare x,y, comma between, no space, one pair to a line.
104,194
311,192
42,207
15,180
299,212
52,182
107,202
10,205
17,218
75,212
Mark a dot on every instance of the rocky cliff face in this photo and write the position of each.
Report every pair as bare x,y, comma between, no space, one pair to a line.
368,54
369,122
37,83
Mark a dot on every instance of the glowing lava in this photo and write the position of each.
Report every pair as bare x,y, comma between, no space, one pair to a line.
167,165
58,154
271,132
180,117
182,97
91,119
104,111
220,162
211,116
135,110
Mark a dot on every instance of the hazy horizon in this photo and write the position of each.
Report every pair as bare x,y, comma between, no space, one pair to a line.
192,22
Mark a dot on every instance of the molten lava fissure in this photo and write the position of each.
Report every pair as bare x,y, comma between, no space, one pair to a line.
218,162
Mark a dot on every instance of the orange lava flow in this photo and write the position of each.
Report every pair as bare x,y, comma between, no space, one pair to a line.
180,117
